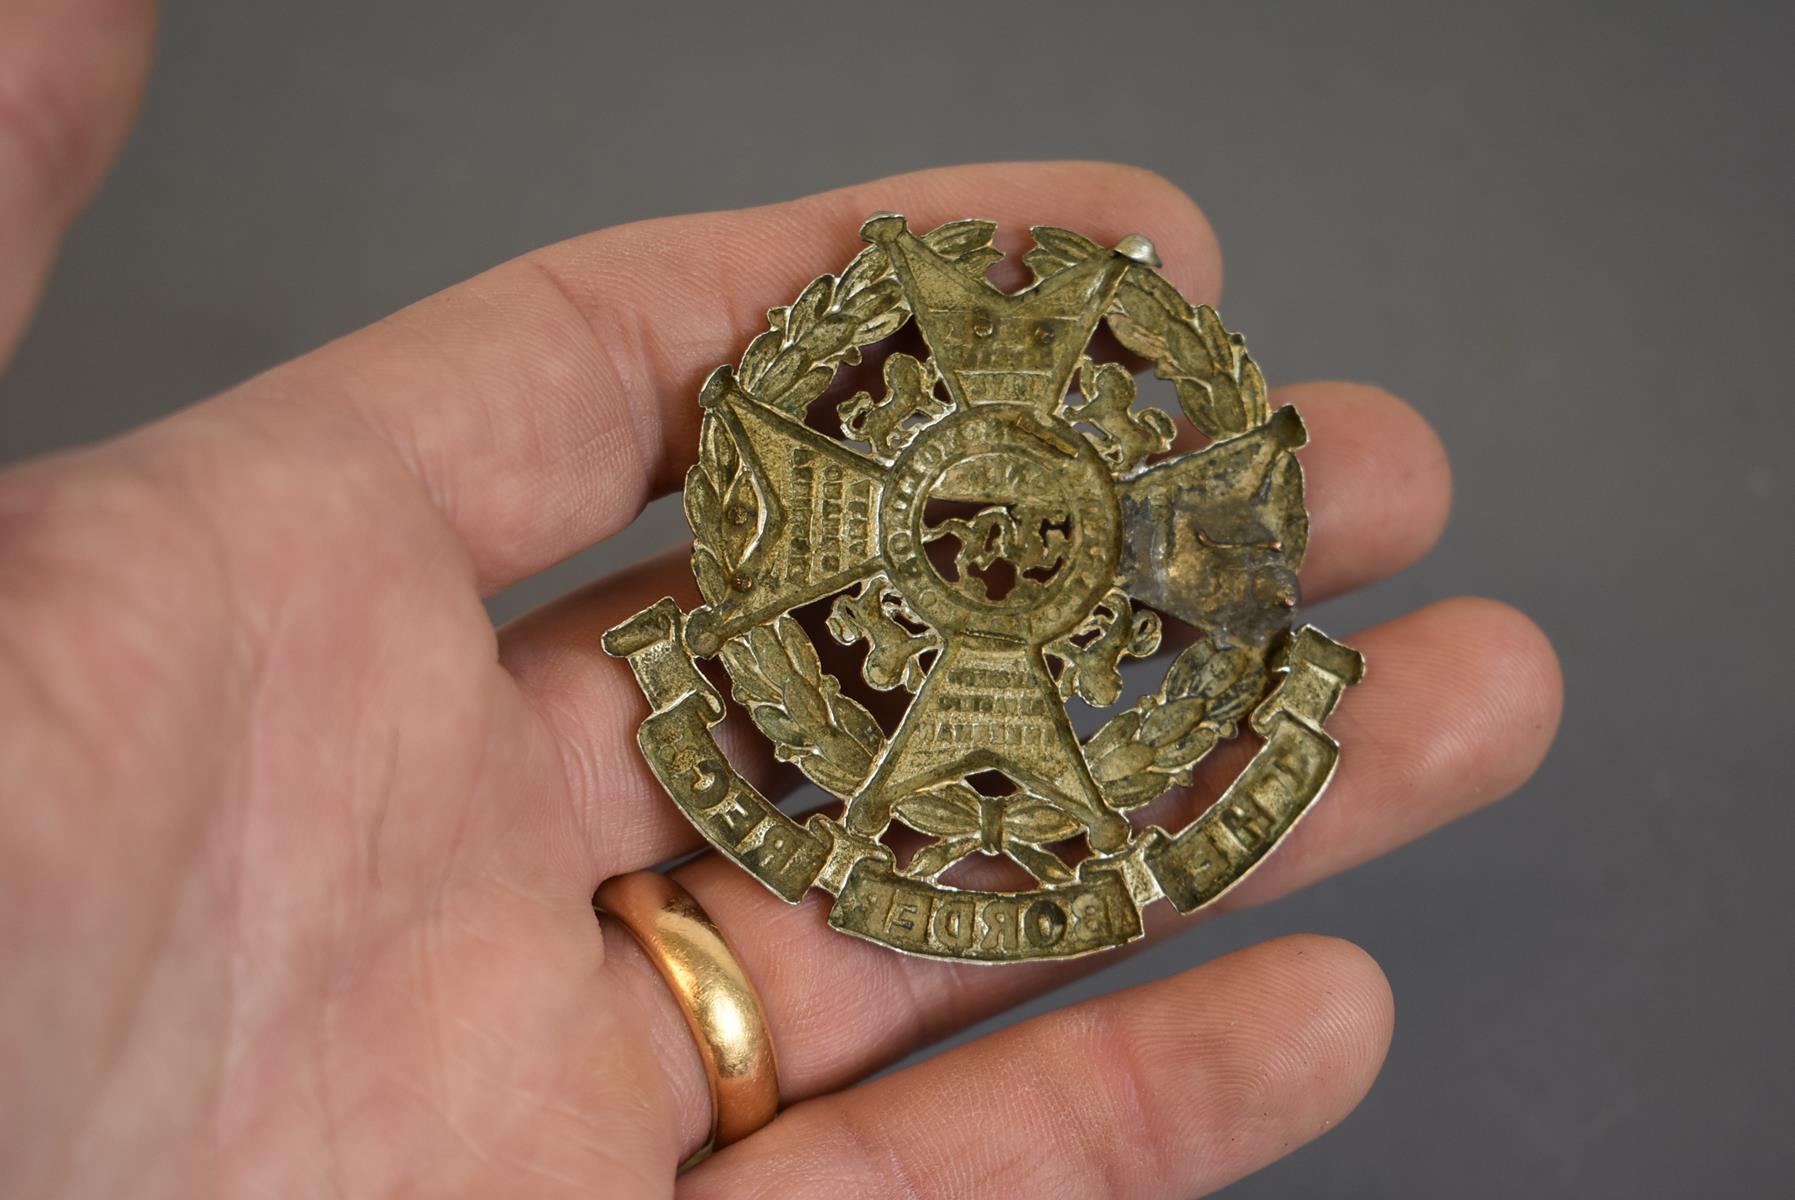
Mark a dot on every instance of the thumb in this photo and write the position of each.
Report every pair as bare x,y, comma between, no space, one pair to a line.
71,72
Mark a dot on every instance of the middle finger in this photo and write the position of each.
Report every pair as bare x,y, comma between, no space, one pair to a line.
1378,493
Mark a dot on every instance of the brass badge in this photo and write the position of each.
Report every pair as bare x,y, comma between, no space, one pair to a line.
996,548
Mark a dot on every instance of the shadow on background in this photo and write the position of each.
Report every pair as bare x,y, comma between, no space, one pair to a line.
1564,235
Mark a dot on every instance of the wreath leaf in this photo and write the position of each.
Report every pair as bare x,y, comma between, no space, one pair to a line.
791,364
1140,753
949,811
1220,388
933,859
1055,249
1042,864
1037,821
774,673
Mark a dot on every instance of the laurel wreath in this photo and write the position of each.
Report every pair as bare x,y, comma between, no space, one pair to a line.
776,676
793,362
1220,388
1140,753
720,506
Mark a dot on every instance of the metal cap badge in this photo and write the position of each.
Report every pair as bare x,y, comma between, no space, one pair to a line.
997,546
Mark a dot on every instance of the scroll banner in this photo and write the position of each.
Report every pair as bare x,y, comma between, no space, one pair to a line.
677,742
920,917
1219,848
1098,910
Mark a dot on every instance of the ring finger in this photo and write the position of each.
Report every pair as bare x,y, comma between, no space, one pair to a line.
1458,712
1170,1089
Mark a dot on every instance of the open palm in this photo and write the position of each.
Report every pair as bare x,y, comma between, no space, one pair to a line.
297,852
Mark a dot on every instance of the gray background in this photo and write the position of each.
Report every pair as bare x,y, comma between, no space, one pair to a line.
1564,234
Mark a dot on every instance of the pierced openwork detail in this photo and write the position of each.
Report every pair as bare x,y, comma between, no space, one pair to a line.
999,528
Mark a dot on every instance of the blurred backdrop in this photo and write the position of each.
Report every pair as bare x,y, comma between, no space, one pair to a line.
1564,232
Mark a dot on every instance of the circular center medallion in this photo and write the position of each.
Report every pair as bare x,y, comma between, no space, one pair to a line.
1001,522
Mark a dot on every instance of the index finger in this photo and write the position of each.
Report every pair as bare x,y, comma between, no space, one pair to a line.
544,402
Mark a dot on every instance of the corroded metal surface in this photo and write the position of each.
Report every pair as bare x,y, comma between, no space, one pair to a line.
997,545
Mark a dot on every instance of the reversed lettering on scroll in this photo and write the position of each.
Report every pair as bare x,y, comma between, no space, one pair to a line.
908,914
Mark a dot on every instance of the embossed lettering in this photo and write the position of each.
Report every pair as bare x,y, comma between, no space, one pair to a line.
999,920
954,920
1044,924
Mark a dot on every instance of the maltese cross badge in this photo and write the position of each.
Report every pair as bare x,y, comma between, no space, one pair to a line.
987,531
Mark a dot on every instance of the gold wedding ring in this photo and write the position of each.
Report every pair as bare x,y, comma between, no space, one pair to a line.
715,996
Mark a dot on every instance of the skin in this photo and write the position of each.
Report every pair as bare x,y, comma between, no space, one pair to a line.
296,851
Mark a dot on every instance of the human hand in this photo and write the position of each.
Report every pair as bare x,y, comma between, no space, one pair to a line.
297,853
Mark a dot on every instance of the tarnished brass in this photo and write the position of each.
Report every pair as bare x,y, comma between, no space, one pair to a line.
996,548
